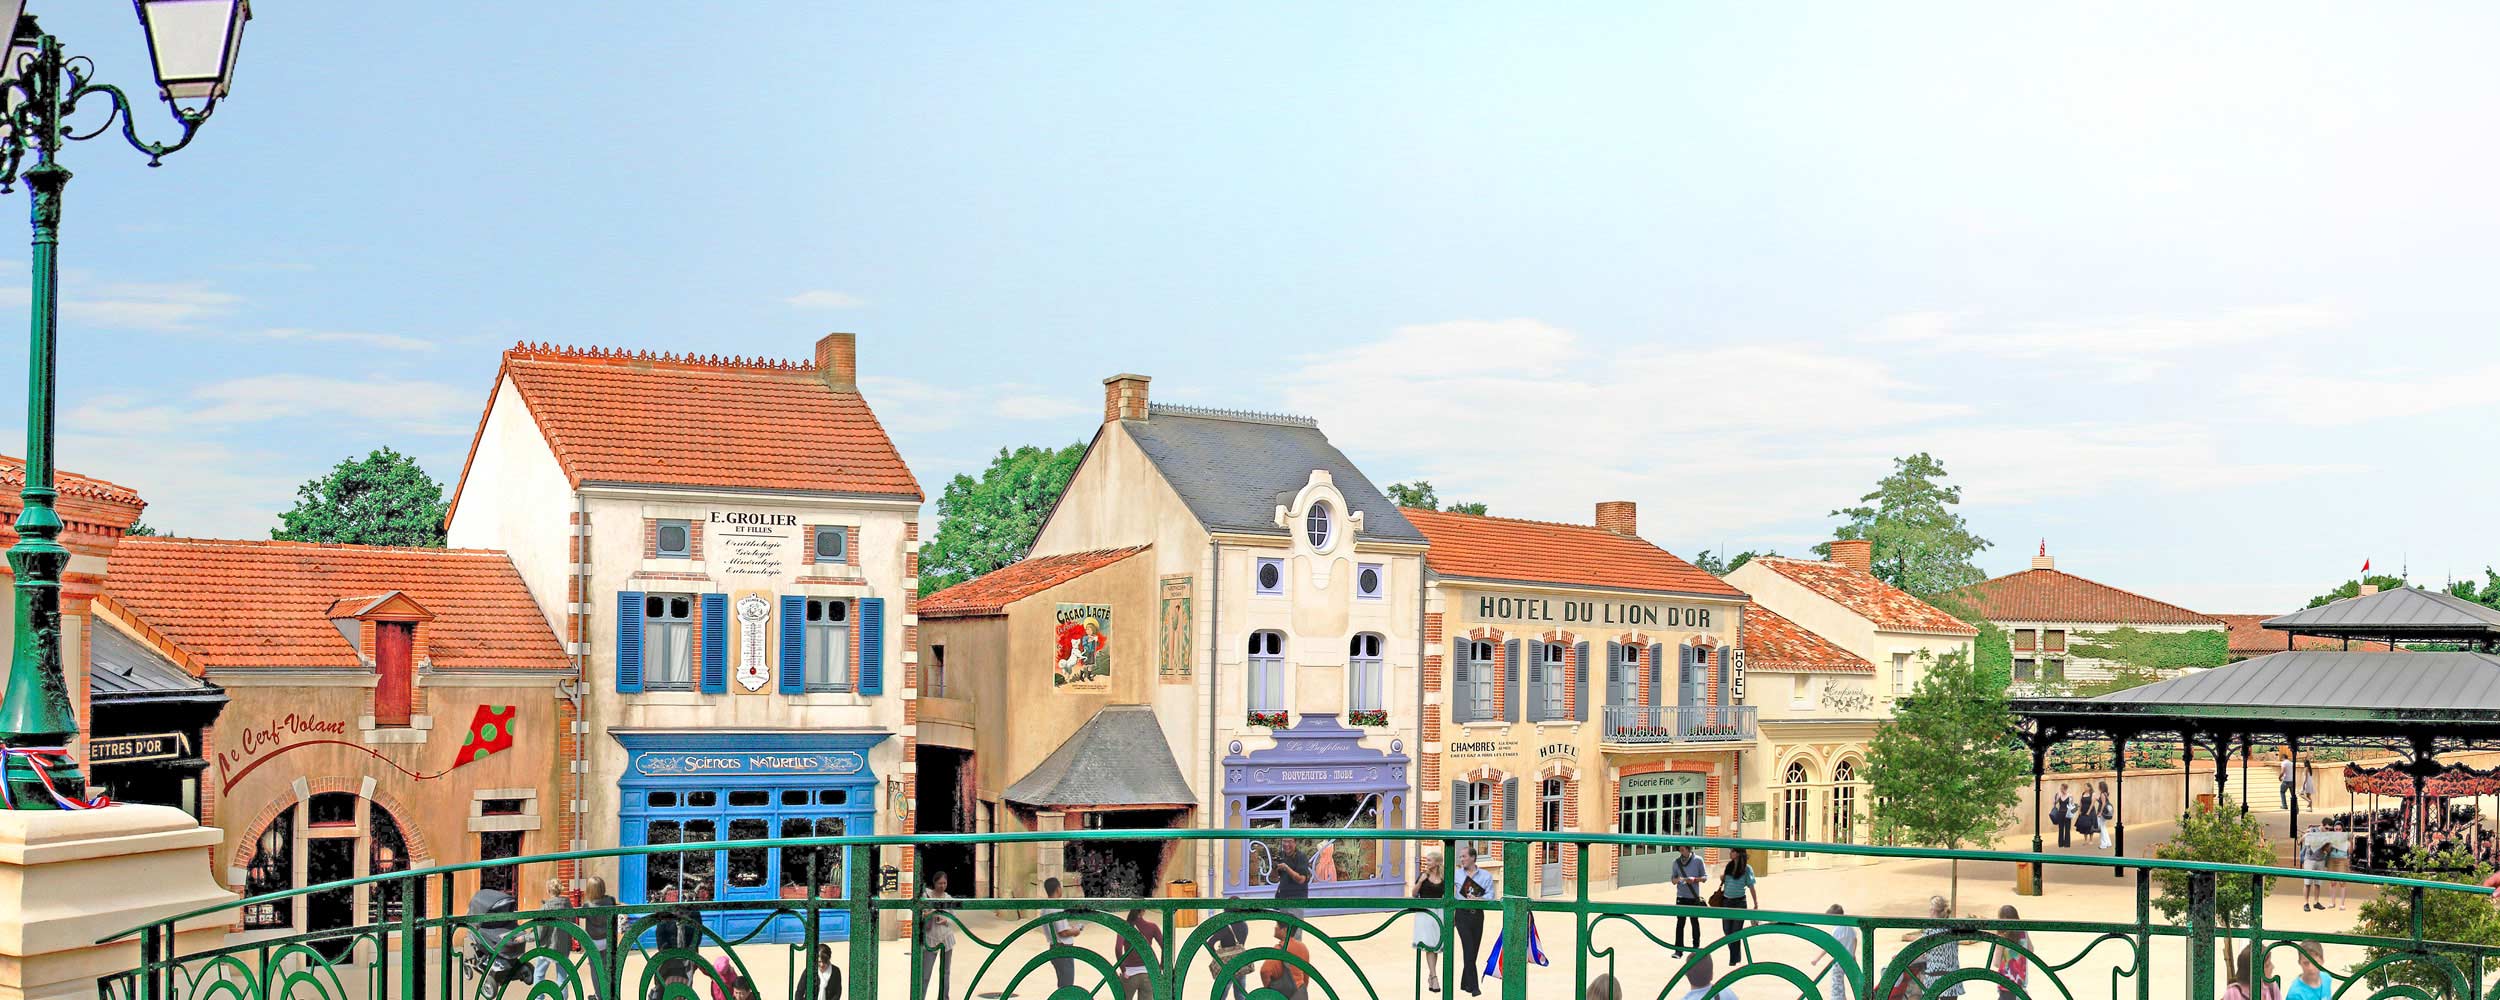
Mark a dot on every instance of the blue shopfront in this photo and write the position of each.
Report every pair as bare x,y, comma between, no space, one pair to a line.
1321,783
727,787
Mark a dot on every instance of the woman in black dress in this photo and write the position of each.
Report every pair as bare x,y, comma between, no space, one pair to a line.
1429,885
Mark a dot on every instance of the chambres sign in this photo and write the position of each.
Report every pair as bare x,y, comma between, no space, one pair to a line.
1636,614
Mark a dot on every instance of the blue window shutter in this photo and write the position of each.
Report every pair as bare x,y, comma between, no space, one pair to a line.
872,645
628,641
793,644
715,643
1580,691
1510,681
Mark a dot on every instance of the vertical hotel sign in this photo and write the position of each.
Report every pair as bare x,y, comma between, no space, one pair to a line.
1173,643
1084,643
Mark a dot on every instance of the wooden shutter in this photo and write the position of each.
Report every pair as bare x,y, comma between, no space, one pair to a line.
1455,817
1533,706
872,645
1727,684
1462,682
1657,674
793,643
1510,681
1614,669
1580,690
1510,803
715,643
628,641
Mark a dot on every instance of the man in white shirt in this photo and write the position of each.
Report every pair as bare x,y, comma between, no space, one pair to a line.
1063,932
2283,771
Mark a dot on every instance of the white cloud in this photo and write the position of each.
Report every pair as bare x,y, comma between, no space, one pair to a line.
193,485
1037,407
164,307
383,341
909,405
823,298
390,404
2126,350
2323,397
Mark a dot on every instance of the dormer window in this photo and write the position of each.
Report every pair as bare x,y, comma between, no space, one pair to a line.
394,661
1319,525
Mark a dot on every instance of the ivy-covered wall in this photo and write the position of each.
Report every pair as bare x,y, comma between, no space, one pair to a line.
2154,650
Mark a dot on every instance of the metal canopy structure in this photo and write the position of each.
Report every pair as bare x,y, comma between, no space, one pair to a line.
2418,705
2406,614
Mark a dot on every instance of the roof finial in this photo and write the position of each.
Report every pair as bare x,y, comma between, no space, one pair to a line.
2044,546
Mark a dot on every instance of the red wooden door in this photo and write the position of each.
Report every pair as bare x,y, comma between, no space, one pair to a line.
393,650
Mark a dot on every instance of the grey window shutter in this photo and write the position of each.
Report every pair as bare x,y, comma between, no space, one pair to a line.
1462,686
1727,684
1657,674
1534,703
1510,803
1455,817
1580,690
1510,681
1614,670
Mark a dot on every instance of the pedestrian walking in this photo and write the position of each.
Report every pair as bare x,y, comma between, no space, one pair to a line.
551,934
2087,817
2062,814
1736,892
2309,783
2007,959
1225,944
937,939
2108,816
1138,956
600,929
1285,977
1941,960
1698,976
1689,873
1291,871
1844,937
2306,853
1428,885
1473,883
1063,934
823,980
2283,774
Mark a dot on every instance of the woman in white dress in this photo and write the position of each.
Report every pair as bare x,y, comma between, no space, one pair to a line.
1428,885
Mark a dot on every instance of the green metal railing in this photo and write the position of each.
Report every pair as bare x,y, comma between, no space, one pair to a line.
1604,948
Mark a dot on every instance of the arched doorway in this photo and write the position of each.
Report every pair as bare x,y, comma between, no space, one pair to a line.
1843,821
329,837
1794,798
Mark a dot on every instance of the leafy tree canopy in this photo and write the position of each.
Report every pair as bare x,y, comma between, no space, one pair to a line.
384,498
2486,594
990,522
2352,588
1945,771
2220,835
1716,563
141,528
2458,917
1921,544
1420,494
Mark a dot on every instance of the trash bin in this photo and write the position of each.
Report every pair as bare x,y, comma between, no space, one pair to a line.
1182,889
2026,874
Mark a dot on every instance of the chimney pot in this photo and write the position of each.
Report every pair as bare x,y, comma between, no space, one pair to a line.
1619,516
2044,560
837,359
1855,553
1124,397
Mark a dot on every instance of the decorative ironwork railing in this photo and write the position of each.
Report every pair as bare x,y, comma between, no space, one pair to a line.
1679,723
1612,946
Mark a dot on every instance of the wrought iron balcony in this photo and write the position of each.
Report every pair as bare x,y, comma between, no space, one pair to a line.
1679,723
2098,944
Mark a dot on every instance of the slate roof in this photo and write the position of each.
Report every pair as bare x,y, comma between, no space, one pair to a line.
1889,607
1232,469
2251,637
2048,595
122,668
2316,679
267,604
1118,758
2405,610
1502,548
992,593
1774,643
626,417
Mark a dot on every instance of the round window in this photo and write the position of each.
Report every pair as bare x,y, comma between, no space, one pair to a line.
1318,526
1271,576
1370,581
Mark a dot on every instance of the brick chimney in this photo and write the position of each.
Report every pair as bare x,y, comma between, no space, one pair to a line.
837,359
1124,397
2368,589
1619,516
1855,553
2044,560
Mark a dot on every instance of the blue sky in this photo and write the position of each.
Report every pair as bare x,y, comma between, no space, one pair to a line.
2198,295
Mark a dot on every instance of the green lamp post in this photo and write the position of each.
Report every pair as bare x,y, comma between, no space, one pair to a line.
193,44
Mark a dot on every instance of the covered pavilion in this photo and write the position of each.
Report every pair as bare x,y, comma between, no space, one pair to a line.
2416,704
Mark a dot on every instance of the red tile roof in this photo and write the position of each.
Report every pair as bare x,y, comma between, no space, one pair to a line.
268,604
1889,607
71,484
991,594
1774,643
2250,637
1502,548
639,417
2048,595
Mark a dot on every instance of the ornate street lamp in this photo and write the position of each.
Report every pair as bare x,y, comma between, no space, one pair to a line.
193,44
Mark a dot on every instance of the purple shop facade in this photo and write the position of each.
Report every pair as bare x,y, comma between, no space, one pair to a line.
1321,785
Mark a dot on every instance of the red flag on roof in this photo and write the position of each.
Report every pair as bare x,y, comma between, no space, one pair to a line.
2365,565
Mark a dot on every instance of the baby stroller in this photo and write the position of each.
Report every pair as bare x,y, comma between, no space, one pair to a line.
494,949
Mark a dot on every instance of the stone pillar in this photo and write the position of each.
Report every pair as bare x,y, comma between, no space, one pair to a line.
68,878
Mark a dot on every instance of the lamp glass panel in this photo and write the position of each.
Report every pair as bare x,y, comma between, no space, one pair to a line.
194,43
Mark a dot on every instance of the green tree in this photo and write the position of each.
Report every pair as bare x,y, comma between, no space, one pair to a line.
140,528
1420,495
2218,835
2465,917
2352,588
990,522
384,498
1945,770
2487,595
1921,544
1717,563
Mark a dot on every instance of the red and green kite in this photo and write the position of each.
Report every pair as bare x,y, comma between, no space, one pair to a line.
490,732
